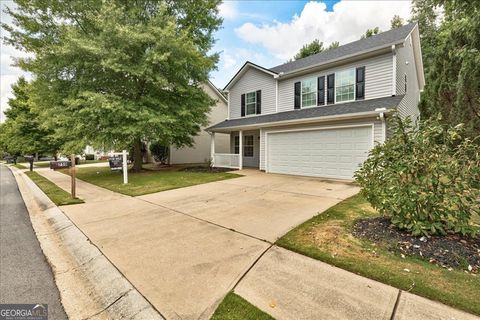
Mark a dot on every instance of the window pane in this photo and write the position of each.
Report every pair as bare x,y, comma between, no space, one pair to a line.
345,85
251,108
309,92
308,85
248,151
251,97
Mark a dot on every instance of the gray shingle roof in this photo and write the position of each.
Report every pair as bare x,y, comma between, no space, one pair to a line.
315,112
381,39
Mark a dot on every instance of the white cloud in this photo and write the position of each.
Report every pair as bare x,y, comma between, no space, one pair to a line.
346,23
228,10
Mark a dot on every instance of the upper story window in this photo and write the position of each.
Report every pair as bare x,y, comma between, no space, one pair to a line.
345,85
309,92
251,103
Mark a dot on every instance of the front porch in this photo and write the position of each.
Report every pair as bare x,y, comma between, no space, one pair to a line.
244,150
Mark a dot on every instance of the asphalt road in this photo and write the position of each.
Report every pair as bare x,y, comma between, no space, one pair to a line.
25,275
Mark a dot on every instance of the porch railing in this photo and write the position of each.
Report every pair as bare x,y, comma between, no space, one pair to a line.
226,160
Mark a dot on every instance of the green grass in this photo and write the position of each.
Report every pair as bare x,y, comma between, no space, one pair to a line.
234,307
327,237
59,196
146,181
42,164
20,166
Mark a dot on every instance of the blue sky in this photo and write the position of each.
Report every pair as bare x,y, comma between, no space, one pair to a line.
264,32
271,32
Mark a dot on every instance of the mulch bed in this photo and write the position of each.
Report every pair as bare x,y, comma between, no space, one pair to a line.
206,169
450,251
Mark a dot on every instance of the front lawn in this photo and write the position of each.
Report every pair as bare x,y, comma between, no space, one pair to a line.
234,307
328,237
20,166
146,181
59,196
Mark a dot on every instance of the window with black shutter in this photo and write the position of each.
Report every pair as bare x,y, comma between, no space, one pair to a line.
321,91
298,89
259,102
360,83
331,88
243,105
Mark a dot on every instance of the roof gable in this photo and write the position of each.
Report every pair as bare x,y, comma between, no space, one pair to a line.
244,69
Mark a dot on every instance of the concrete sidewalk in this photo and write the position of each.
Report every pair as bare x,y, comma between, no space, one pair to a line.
288,285
85,191
185,249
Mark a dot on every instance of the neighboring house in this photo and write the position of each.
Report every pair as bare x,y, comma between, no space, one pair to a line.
200,151
320,115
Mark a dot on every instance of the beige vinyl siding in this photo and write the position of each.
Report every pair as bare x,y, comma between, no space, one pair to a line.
378,80
253,80
377,131
200,151
409,104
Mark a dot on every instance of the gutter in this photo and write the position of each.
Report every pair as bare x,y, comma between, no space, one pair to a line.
304,120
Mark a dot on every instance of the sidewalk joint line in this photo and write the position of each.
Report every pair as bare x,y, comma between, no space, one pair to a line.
394,311
209,222
253,264
111,262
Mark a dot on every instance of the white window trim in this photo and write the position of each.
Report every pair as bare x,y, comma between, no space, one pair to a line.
255,104
316,92
354,85
248,145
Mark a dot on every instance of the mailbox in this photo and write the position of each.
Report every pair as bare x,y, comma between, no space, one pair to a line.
60,164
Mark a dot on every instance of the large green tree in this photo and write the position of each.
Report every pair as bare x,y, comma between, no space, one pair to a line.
24,131
116,73
314,47
451,54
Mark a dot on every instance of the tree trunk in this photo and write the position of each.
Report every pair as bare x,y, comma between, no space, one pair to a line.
137,155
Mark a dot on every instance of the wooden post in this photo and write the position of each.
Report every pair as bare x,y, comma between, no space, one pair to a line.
72,174
125,168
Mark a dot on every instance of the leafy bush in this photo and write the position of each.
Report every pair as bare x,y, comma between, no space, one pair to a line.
159,152
426,179
89,157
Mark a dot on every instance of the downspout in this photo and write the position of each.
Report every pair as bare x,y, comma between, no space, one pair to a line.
381,114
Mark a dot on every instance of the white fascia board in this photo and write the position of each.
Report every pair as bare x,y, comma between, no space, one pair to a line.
307,120
244,69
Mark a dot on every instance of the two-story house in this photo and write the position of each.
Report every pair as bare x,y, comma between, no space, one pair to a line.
320,115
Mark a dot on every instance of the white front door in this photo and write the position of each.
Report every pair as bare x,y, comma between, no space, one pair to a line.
330,153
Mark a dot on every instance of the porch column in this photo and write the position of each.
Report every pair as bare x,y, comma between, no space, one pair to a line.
240,149
212,149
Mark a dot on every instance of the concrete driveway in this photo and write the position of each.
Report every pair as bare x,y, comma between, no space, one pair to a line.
184,249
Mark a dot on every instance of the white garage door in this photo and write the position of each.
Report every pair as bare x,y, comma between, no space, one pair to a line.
331,153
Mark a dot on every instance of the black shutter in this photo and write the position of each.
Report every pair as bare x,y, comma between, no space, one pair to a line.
259,101
321,91
243,106
331,88
298,88
360,84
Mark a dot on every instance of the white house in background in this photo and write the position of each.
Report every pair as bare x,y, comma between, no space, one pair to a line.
320,115
200,151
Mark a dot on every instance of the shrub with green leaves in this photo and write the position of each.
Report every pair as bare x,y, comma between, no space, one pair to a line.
159,152
425,178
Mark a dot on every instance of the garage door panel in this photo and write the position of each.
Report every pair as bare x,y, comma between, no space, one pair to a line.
335,153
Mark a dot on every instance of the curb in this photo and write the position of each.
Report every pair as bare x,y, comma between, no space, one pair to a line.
89,284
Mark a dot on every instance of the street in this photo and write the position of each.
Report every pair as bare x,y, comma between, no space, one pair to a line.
25,275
